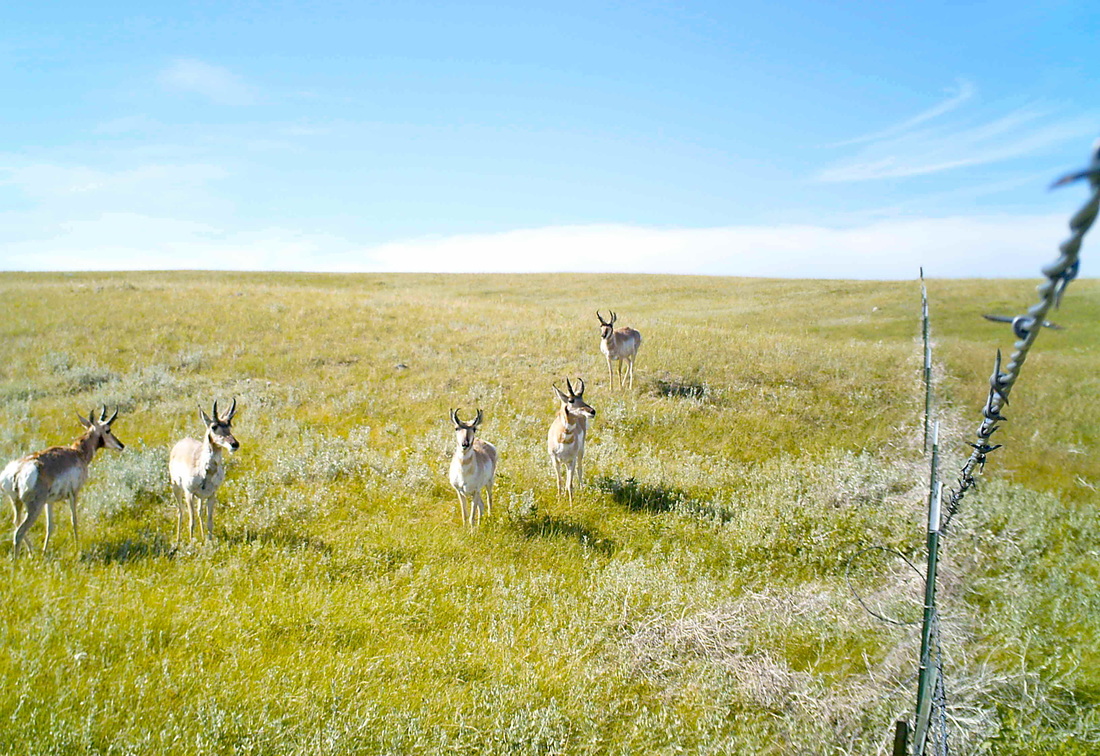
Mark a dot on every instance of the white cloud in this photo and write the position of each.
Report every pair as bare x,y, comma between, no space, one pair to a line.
213,82
987,246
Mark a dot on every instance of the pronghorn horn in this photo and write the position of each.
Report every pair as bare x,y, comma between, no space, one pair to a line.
103,413
232,411
614,317
111,419
216,418
580,382
600,317
477,420
569,385
454,417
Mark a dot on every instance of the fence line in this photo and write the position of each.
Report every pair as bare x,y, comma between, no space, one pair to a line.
931,690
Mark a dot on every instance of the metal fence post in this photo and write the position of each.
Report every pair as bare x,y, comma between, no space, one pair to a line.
927,360
929,671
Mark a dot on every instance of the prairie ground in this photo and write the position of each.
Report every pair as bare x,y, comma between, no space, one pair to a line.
695,598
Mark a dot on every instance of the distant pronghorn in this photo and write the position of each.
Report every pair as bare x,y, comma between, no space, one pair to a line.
565,441
619,344
37,480
472,469
196,471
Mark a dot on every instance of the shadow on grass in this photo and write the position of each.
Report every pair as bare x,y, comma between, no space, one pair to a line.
147,545
640,497
680,388
659,499
548,526
278,537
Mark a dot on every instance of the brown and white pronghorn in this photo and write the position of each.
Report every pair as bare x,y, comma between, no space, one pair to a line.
619,344
196,470
473,466
565,441
36,481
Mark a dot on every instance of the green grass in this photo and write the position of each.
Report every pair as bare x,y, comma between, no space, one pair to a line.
693,599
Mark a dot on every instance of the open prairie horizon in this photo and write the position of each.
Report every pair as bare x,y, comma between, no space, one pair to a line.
697,595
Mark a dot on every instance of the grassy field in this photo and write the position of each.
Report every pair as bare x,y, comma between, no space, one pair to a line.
693,599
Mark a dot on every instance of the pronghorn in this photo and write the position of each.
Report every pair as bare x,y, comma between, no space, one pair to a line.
37,480
619,344
472,469
196,470
565,441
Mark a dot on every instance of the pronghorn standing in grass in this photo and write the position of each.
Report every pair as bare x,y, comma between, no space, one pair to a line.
37,480
565,441
619,344
472,469
196,470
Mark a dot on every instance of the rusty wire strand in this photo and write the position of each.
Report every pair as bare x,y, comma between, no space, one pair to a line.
1026,328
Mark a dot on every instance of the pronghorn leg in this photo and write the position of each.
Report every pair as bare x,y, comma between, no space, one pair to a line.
49,526
180,504
580,468
477,507
190,516
210,517
569,481
557,472
488,499
34,508
610,374
76,530
462,506
630,371
622,375
200,510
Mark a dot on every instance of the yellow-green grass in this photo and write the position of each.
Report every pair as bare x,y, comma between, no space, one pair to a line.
693,598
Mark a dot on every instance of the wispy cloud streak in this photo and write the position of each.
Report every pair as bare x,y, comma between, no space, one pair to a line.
965,90
927,143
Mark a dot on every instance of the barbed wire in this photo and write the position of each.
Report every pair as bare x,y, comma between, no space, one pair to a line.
1026,328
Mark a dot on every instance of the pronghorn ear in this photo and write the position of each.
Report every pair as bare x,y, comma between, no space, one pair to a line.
559,392
85,421
205,417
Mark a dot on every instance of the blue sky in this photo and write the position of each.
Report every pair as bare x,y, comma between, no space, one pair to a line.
840,140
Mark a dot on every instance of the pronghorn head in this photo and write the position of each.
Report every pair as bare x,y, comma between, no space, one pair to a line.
100,429
573,402
218,428
464,432
606,326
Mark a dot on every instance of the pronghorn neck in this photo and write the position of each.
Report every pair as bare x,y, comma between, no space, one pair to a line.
87,445
211,455
571,422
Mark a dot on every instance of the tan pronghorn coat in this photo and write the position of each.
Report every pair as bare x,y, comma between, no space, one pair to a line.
565,439
34,482
196,471
619,345
473,466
